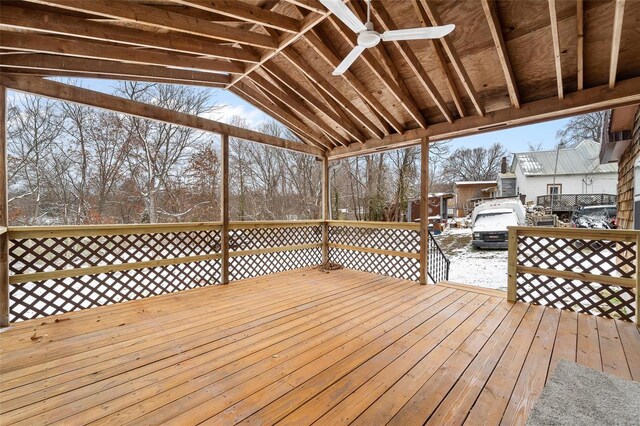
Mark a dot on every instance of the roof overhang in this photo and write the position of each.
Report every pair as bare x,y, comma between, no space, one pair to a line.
617,131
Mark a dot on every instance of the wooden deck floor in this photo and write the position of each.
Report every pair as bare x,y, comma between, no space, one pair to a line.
301,347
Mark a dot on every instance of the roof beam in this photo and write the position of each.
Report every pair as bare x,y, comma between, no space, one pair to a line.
286,96
335,113
66,92
435,20
580,48
441,60
402,93
615,41
626,92
246,12
556,46
54,65
136,12
86,49
256,98
55,23
407,53
327,53
315,76
491,12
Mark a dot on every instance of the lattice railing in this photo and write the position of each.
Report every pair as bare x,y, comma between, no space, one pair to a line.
61,269
582,270
386,248
261,248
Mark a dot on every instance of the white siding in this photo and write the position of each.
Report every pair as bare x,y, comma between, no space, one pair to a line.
534,186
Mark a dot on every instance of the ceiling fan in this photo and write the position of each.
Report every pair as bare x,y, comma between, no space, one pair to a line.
368,37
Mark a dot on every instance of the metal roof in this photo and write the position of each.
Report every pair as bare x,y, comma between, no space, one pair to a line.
583,158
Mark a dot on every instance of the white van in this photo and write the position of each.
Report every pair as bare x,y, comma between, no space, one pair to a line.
490,220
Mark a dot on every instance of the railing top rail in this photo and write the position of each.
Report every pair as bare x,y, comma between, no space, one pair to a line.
578,233
375,225
21,232
274,224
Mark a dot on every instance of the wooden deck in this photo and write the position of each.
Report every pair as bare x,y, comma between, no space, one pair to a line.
300,347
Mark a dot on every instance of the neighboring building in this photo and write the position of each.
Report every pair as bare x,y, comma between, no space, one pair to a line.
438,207
578,171
467,192
621,144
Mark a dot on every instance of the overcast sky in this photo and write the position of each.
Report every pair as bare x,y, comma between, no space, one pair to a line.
515,140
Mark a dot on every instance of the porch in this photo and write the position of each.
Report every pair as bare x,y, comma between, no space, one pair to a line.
302,346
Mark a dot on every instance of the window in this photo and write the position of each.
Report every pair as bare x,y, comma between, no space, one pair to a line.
554,189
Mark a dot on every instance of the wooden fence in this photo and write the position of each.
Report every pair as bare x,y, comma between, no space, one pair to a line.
583,270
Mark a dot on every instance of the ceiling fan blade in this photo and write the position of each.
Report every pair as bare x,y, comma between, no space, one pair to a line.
350,59
343,13
417,33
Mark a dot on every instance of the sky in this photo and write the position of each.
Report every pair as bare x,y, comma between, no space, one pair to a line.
516,139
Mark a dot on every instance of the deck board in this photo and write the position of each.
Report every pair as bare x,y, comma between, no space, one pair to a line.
343,347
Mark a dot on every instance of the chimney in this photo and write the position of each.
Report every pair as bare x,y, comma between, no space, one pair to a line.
503,166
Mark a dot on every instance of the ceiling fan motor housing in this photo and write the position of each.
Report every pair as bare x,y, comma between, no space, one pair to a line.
368,38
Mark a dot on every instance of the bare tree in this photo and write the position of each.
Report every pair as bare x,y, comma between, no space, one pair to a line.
580,128
475,164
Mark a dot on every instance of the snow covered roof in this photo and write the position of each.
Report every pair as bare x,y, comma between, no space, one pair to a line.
576,160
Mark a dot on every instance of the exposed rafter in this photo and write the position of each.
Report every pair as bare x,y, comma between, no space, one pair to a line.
148,15
246,12
66,92
615,41
87,49
491,13
56,23
414,63
580,47
434,18
55,65
556,46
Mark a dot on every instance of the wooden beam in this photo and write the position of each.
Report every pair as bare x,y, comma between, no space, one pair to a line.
60,24
166,20
224,210
66,92
245,12
441,60
556,46
325,210
491,12
435,20
580,48
424,210
288,98
626,92
54,65
414,63
310,5
615,42
335,113
308,23
316,39
4,214
318,79
257,99
86,49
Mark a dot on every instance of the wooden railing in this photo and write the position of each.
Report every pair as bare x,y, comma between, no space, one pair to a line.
567,202
583,270
65,268
387,248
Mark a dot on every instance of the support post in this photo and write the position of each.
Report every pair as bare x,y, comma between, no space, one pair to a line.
424,210
325,210
224,211
4,214
512,264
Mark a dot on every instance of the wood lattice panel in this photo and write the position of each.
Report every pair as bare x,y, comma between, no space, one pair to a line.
394,266
255,265
268,237
405,240
50,297
577,256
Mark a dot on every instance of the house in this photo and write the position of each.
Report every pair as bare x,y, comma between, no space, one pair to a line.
621,146
466,193
572,170
438,205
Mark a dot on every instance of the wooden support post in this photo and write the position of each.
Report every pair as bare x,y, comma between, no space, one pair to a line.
325,210
512,264
424,210
224,211
4,212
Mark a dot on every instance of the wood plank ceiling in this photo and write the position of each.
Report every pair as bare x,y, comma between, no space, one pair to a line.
508,62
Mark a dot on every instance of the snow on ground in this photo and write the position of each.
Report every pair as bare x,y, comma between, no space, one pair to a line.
484,268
